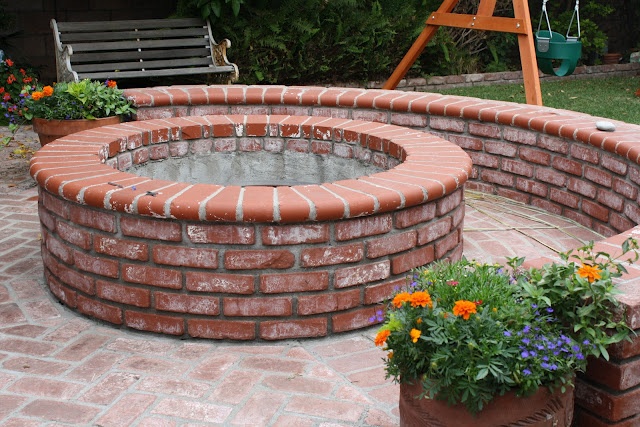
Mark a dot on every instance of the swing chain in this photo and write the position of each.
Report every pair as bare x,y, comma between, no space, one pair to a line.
576,14
546,15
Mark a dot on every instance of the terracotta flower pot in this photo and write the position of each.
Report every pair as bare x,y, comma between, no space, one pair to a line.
50,130
543,409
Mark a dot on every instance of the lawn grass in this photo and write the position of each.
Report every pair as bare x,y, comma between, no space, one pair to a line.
611,97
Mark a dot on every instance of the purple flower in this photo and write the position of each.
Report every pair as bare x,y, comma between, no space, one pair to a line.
507,333
526,372
524,354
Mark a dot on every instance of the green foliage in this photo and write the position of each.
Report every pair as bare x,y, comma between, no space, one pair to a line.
86,99
14,80
469,332
209,9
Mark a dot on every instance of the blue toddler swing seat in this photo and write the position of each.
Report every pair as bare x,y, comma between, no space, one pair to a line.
552,47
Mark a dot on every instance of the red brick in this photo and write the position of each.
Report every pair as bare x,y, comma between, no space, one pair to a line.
258,259
557,145
181,303
160,277
151,229
64,294
499,178
391,244
154,323
513,195
584,153
614,164
564,198
188,257
551,177
101,311
46,218
578,217
121,248
141,155
484,160
158,152
519,135
55,205
222,234
598,176
624,188
328,302
434,230
582,187
448,243
583,418
532,187
484,129
547,206
57,248
500,148
378,293
620,223
219,282
517,167
447,124
74,279
351,320
74,235
294,282
532,155
616,376
610,200
331,255
449,203
361,274
595,210
416,215
123,294
95,219
613,407
362,227
412,259
258,307
97,265
565,165
277,330
295,234
466,143
221,329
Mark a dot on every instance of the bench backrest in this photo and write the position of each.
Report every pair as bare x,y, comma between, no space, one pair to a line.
138,48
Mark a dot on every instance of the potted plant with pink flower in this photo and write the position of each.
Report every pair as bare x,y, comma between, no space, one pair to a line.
486,345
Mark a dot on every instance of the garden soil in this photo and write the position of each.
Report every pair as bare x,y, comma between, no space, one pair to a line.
14,159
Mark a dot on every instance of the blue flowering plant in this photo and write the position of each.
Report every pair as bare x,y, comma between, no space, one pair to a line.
469,332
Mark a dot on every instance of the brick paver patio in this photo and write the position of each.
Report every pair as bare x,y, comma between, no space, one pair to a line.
58,368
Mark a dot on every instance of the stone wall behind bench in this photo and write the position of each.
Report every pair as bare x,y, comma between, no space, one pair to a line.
553,159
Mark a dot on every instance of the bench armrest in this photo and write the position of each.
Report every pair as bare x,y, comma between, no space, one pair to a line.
219,54
63,53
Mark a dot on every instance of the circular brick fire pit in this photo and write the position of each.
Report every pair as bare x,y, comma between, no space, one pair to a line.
207,257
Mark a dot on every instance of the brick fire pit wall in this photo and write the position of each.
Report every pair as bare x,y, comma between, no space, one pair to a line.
553,159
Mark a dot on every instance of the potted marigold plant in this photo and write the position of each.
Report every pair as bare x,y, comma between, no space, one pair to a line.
487,345
66,108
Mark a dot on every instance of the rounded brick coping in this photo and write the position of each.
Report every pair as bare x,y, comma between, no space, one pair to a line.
392,106
419,167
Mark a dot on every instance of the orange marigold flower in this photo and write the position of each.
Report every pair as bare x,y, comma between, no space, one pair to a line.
37,95
415,334
418,320
381,337
47,91
9,62
400,299
390,355
464,308
421,299
589,272
111,83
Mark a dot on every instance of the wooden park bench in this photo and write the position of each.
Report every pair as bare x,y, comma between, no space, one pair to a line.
139,49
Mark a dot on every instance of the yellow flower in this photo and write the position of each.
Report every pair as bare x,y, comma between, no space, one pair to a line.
415,334
400,299
421,299
589,272
464,308
381,337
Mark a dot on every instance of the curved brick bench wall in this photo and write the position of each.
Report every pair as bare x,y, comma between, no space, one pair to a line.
209,261
549,158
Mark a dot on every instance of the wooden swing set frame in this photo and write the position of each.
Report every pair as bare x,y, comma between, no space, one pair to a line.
482,20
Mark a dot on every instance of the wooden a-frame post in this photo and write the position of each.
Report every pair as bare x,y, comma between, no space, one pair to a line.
482,20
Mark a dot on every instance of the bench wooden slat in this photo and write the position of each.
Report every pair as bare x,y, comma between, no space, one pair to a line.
139,24
97,57
133,35
139,65
138,48
156,73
